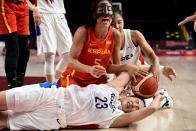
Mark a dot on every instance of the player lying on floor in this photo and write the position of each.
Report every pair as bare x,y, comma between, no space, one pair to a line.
46,106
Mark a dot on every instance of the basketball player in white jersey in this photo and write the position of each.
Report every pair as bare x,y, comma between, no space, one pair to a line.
46,106
133,43
53,35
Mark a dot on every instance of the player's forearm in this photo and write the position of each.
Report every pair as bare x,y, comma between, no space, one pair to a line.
78,66
117,69
147,67
120,82
153,59
128,118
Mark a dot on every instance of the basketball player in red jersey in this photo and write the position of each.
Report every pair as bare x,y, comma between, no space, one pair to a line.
14,31
94,45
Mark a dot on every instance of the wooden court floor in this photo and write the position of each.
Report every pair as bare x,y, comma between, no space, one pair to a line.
182,117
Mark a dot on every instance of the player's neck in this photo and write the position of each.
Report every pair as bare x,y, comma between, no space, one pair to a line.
101,33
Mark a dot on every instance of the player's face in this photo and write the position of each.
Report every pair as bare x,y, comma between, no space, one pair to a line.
118,22
130,104
104,13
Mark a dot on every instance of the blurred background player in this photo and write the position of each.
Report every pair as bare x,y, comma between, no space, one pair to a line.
14,31
94,46
53,35
191,18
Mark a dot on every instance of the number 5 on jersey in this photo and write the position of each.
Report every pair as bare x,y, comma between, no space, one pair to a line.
97,61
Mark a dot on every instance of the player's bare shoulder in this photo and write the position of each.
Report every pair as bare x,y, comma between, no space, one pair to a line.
136,36
115,32
82,30
81,33
117,36
135,33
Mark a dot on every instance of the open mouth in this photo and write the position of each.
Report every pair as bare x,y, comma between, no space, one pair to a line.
105,20
128,104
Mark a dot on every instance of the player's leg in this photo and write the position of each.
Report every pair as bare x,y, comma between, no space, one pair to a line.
23,58
49,67
11,59
61,66
64,37
47,44
23,32
30,106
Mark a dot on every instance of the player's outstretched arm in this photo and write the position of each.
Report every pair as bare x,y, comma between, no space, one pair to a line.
128,118
190,18
120,82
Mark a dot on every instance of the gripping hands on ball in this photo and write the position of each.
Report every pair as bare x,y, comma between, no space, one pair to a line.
135,70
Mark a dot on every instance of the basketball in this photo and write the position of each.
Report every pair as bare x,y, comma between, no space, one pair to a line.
145,87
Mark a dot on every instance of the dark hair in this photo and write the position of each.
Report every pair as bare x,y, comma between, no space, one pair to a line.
91,20
119,12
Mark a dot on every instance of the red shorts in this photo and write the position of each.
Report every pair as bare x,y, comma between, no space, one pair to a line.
14,18
69,77
66,81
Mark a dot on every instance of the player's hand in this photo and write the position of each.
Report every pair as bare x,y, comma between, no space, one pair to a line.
157,101
154,69
169,72
135,70
126,89
36,16
97,71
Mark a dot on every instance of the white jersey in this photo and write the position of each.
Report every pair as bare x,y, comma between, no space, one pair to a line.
45,107
130,53
95,104
57,6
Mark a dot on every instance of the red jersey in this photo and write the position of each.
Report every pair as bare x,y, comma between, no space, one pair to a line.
94,52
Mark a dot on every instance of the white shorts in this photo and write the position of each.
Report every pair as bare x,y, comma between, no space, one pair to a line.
31,108
55,34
